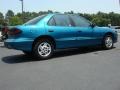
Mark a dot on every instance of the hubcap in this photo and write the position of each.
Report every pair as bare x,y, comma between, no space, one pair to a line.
108,42
44,49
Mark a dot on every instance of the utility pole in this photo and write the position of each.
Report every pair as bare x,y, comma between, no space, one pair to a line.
119,2
22,4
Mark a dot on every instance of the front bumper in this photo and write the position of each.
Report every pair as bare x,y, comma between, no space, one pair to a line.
116,37
23,44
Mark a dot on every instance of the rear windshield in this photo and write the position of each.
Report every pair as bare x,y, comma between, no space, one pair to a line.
35,20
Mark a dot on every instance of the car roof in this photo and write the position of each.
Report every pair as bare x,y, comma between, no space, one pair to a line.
61,14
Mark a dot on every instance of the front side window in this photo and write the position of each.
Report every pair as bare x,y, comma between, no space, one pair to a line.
80,21
62,20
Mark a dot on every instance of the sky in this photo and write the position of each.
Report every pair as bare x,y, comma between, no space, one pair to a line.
82,6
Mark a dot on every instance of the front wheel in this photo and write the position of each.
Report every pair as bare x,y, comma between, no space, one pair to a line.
108,42
43,49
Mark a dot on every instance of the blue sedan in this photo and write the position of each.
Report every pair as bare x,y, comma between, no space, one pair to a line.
42,35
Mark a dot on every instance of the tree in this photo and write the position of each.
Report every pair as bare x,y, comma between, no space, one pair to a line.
1,19
15,21
115,18
9,15
50,11
1,16
70,12
101,21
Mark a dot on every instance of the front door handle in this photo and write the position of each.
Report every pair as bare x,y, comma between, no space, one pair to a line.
50,30
79,31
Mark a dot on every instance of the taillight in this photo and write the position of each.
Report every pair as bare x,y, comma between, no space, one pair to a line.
14,31
5,30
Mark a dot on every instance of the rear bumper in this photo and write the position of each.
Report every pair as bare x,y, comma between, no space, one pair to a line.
23,44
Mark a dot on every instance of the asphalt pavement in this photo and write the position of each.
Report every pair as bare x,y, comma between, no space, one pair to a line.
76,69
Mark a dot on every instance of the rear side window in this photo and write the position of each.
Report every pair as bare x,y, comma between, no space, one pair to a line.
62,20
51,22
35,20
80,21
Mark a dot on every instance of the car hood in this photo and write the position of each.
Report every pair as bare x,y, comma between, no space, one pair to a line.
104,28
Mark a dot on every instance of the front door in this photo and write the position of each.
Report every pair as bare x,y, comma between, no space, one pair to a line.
84,31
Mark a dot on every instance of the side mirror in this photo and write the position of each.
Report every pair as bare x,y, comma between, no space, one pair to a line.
92,25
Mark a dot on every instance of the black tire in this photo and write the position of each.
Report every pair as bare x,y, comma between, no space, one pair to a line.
104,44
36,47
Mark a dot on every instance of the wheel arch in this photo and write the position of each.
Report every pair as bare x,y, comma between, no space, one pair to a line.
109,33
44,37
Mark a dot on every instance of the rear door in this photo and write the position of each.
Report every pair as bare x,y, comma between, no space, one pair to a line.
61,28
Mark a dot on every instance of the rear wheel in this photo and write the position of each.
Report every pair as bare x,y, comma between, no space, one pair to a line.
43,49
108,42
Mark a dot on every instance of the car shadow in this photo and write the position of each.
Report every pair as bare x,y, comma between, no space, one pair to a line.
58,54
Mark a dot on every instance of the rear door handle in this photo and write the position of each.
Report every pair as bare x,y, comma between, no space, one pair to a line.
50,30
79,31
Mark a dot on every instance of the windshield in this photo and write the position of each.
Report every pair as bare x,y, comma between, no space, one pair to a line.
35,20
